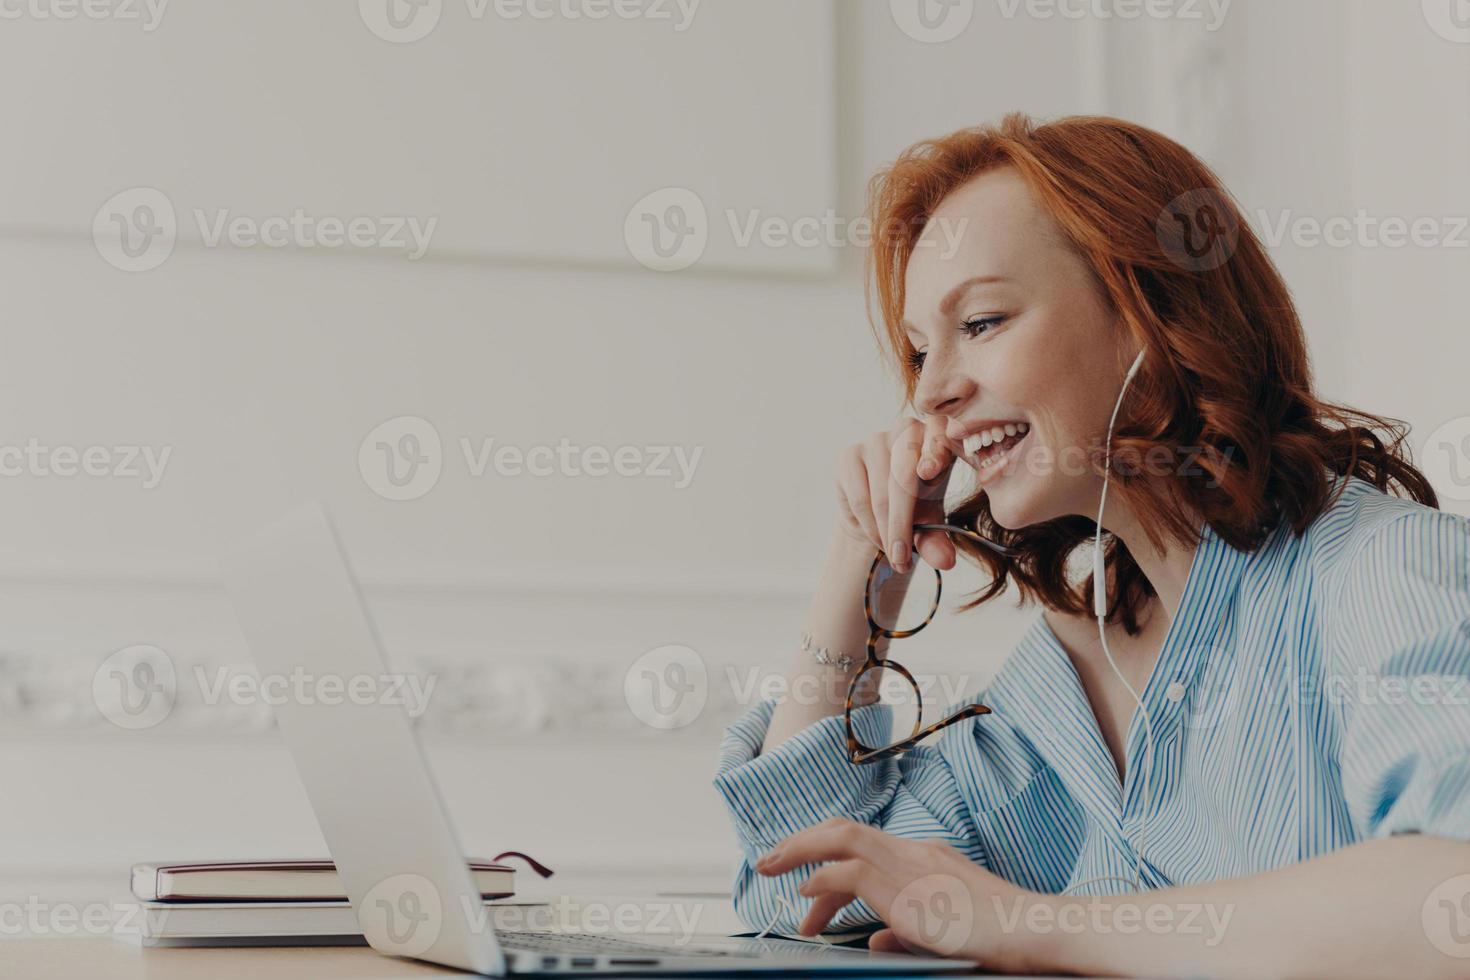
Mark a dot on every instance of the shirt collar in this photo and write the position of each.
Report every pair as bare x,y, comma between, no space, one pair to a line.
1039,692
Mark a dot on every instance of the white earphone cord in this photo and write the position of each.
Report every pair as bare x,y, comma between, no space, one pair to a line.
1100,610
782,903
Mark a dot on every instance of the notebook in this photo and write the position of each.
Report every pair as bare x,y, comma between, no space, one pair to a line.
276,923
274,881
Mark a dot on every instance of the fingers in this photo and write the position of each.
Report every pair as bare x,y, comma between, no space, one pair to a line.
824,909
893,480
936,457
831,840
933,469
937,549
886,941
833,886
875,460
903,492
853,488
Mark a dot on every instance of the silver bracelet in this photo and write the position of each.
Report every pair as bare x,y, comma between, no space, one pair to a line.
826,655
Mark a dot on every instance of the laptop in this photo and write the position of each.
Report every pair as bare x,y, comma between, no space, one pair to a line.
380,811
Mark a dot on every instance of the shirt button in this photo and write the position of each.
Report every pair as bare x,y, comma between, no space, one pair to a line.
1175,692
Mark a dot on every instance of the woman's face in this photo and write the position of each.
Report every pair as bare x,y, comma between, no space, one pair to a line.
1012,328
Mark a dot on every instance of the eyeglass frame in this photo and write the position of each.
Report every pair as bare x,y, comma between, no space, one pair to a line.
857,753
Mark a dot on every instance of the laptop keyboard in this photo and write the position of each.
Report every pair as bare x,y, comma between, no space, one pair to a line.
576,942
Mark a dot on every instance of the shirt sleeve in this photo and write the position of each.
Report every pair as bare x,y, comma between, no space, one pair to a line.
808,779
1401,670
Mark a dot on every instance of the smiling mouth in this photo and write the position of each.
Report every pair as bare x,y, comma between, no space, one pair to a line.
988,448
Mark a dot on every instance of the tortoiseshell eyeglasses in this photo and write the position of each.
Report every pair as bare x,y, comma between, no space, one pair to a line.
900,604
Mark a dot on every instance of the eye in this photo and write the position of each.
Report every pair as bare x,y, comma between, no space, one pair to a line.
916,361
977,325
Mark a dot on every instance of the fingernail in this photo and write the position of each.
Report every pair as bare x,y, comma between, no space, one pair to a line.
926,468
768,858
898,556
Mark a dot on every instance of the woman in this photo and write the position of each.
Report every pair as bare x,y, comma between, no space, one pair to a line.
1278,809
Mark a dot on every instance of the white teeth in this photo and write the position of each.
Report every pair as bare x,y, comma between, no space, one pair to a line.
986,438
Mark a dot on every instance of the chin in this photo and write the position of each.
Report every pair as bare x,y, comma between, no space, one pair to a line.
1017,501
1006,504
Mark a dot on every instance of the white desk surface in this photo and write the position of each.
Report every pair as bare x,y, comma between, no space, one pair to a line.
111,959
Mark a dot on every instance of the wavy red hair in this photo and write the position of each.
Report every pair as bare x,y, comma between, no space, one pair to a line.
1226,372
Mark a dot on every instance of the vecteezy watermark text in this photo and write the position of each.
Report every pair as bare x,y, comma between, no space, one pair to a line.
135,230
403,458
405,913
937,21
138,687
669,230
36,917
405,233
1103,916
121,462
147,13
1211,13
406,21
410,691
1363,229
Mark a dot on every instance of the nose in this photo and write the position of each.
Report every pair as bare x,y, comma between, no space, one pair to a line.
940,391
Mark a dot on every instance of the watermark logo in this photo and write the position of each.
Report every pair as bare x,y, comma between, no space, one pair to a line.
148,13
932,21
402,915
1446,456
667,230
400,21
938,911
1446,917
136,687
1198,230
1450,19
402,458
135,230
667,687
1212,696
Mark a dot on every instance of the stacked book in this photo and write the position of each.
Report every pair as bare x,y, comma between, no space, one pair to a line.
263,903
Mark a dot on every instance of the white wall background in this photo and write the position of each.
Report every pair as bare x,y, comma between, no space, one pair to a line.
528,321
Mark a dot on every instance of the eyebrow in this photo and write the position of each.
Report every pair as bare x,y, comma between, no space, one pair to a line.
953,296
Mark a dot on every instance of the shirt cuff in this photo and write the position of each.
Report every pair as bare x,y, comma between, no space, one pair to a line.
804,780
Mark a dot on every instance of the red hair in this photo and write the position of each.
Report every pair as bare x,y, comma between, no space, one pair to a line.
1226,373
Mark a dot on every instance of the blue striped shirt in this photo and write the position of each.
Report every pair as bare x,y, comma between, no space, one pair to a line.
1308,695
